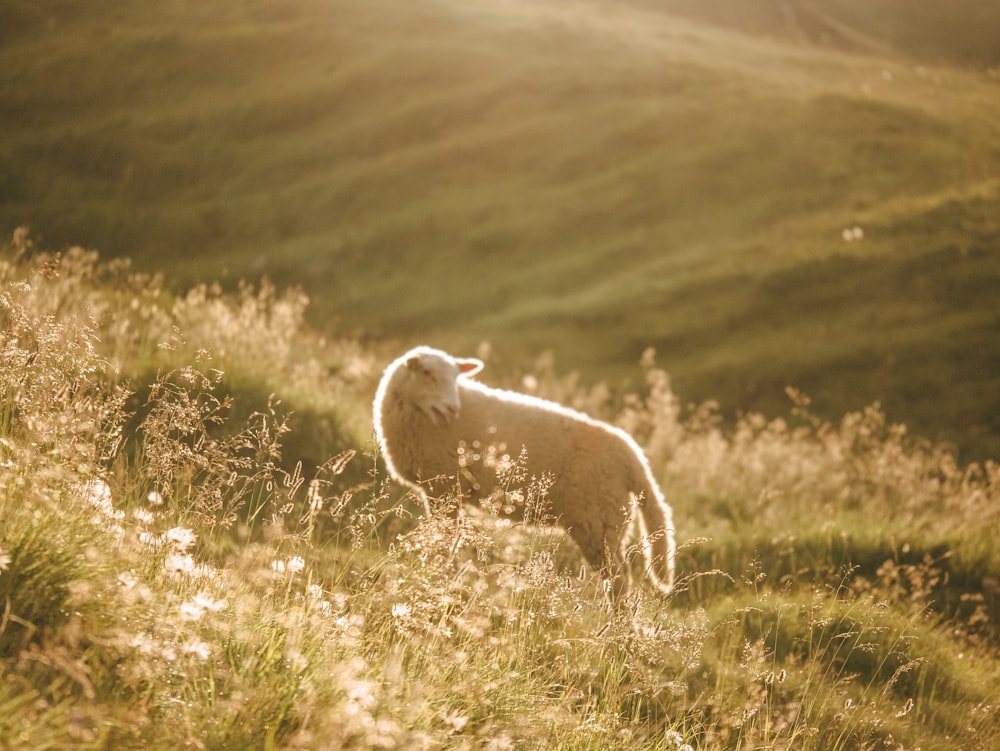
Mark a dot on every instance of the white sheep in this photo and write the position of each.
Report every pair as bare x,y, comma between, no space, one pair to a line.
446,435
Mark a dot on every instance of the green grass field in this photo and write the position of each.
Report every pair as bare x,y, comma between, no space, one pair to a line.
199,546
582,177
199,550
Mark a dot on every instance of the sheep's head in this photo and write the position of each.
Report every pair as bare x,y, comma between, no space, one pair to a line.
432,383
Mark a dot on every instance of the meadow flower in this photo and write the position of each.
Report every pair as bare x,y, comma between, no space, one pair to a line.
207,602
675,742
143,643
500,743
196,648
317,601
191,611
351,627
455,721
179,563
98,493
182,538
292,565
135,590
339,600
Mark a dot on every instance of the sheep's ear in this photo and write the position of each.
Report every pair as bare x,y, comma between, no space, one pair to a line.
413,363
470,366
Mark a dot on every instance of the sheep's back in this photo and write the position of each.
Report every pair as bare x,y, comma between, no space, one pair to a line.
553,438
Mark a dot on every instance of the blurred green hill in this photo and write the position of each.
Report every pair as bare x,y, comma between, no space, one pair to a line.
796,193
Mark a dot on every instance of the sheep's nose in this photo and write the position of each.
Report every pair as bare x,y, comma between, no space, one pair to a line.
444,414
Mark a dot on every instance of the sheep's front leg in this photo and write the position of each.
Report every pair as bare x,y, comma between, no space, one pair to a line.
442,495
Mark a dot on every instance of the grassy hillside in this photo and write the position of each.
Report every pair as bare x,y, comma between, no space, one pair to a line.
177,571
587,177
966,31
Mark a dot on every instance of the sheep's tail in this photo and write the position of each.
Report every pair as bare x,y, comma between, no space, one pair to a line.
657,530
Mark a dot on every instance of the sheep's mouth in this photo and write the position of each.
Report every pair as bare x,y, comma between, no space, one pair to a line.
441,417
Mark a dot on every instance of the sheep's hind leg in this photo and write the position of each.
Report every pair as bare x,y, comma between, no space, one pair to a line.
606,558
618,576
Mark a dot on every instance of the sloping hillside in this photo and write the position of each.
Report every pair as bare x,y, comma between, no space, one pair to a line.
587,177
963,31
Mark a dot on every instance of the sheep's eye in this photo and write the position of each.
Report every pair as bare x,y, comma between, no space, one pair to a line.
428,373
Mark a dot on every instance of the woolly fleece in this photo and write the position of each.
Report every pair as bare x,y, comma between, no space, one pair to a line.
447,435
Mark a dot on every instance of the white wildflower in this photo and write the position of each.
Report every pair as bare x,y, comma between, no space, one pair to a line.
502,742
206,601
675,742
360,692
351,627
179,564
143,643
98,493
191,611
197,648
135,590
127,580
182,538
455,721
292,565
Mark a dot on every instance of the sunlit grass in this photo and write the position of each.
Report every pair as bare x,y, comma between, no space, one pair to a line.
172,577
